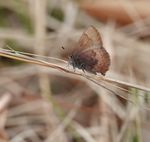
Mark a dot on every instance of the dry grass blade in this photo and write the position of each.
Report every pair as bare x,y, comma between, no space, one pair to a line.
118,82
108,89
33,55
20,57
30,60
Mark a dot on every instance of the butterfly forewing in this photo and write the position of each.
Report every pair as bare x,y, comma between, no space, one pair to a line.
84,43
90,38
94,35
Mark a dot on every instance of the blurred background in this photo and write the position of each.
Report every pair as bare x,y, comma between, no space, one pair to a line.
39,104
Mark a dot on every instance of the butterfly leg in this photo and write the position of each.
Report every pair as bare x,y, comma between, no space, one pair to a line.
67,66
74,69
103,74
82,67
83,70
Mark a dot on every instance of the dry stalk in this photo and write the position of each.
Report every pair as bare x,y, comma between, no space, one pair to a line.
91,77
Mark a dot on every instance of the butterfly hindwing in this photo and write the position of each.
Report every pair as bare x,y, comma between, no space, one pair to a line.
96,60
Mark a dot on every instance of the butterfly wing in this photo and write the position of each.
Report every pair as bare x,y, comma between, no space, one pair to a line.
89,38
96,60
94,35
84,42
89,54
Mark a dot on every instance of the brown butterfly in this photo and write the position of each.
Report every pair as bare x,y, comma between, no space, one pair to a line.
89,54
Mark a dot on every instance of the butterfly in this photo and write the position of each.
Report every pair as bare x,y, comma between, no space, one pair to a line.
89,54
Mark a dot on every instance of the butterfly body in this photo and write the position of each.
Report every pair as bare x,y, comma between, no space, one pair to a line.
83,63
89,54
